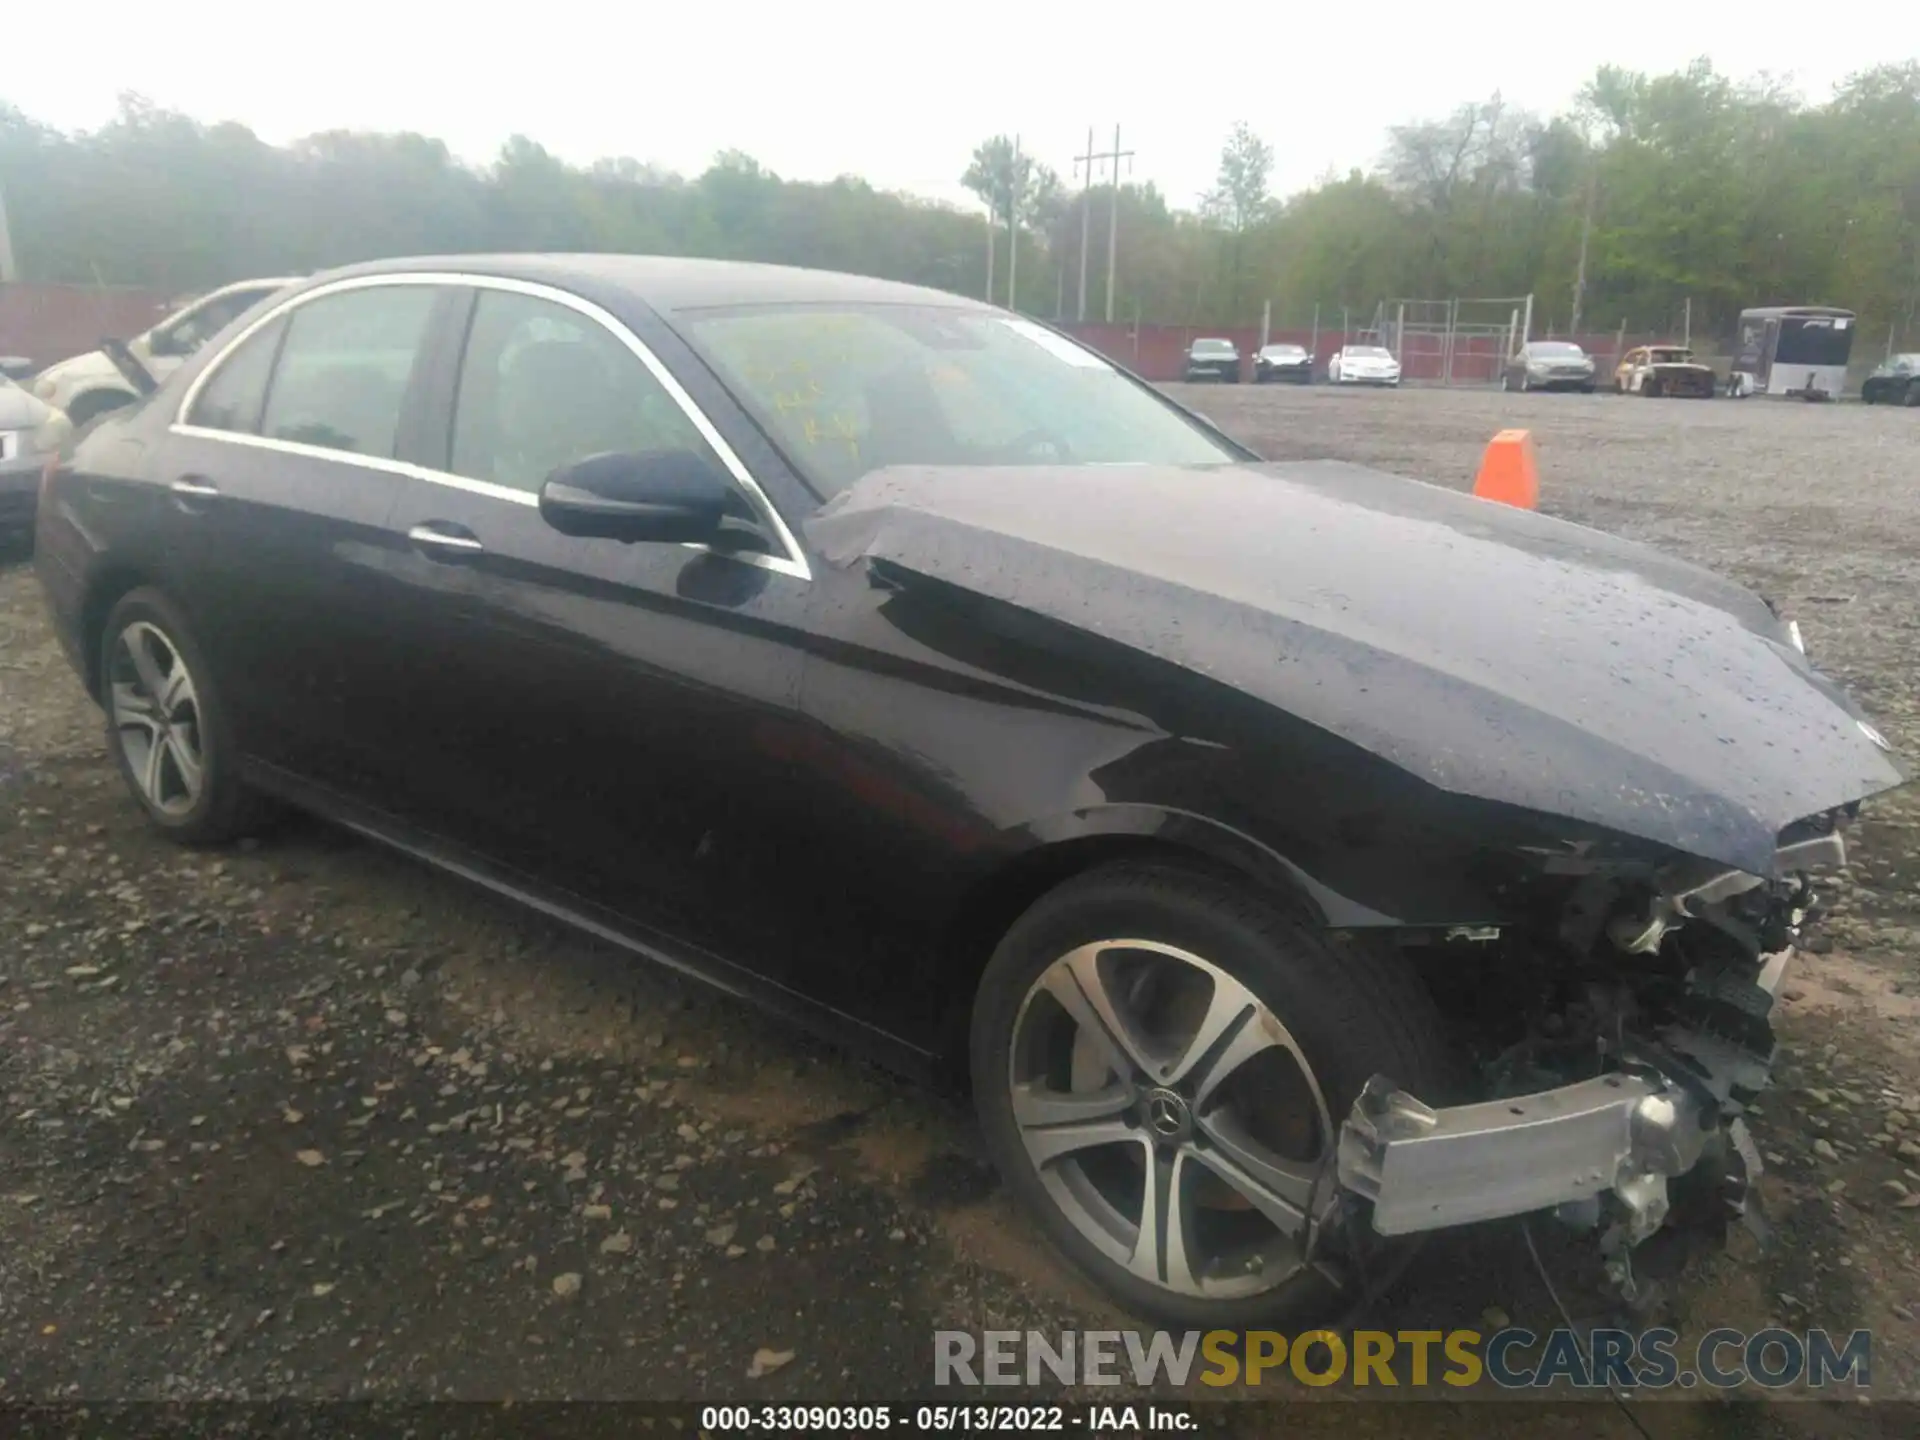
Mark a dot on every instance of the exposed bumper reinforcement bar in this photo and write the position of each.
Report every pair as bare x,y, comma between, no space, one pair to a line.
1426,1169
1674,1105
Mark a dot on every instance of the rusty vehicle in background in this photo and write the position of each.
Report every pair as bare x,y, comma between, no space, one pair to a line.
1656,370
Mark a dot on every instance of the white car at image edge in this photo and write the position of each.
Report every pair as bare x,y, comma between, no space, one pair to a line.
90,384
1363,365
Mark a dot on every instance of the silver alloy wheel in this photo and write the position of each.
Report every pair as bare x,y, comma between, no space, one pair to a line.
1172,1118
156,718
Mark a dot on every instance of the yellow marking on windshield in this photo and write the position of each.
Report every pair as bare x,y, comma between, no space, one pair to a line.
798,399
838,427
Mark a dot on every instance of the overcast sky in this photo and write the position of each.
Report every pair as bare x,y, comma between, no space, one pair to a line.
899,93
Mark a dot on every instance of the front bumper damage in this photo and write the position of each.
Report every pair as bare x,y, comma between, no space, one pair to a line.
1649,1152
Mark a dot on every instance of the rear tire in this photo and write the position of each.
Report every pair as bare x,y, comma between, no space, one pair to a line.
1298,1019
166,726
1910,396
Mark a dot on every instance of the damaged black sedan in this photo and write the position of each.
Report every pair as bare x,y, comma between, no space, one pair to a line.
1295,859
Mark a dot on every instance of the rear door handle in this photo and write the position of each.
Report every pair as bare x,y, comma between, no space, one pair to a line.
439,540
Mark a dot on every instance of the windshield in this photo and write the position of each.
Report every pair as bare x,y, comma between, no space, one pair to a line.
1901,364
1213,347
845,390
1666,357
1556,350
1367,352
1278,352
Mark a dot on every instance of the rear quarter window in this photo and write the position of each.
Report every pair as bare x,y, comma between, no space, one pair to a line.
232,396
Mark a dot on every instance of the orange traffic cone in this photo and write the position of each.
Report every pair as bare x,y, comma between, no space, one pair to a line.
1508,472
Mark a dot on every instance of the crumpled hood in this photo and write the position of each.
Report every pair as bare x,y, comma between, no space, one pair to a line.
1489,651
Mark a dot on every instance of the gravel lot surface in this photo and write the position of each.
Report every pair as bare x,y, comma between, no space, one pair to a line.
304,1119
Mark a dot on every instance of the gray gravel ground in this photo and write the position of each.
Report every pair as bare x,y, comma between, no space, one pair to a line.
303,1119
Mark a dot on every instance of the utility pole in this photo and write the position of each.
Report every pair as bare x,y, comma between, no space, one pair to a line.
1086,219
1014,196
1586,230
1686,325
992,221
1116,155
8,271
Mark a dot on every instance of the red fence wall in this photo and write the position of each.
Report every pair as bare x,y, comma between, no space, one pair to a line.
1159,352
46,323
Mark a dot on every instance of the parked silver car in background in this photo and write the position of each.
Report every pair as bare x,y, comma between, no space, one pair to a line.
31,432
90,384
1549,365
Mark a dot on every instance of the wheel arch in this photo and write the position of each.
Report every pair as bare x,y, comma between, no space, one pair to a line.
1088,840
104,591
97,400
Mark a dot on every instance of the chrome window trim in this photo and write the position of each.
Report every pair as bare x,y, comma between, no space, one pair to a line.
793,563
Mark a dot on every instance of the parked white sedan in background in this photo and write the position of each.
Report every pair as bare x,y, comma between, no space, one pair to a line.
90,384
1363,365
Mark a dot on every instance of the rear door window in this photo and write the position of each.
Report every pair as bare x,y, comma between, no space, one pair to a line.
344,370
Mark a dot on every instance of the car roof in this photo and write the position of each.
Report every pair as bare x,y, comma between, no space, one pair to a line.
675,282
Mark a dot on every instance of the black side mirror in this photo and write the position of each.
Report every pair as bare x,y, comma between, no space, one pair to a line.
665,496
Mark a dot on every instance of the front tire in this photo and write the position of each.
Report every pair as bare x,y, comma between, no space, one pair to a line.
166,727
1161,1060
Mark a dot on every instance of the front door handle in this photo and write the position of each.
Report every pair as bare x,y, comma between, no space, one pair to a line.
193,493
439,541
